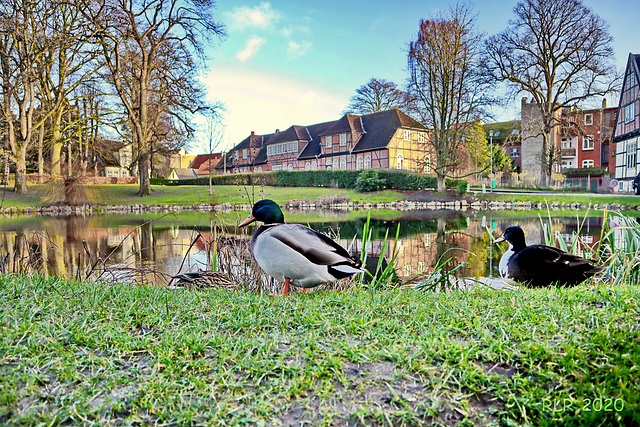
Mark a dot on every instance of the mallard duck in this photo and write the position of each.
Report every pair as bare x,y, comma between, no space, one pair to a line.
541,265
294,253
203,279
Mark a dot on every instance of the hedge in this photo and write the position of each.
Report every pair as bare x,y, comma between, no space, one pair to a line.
397,180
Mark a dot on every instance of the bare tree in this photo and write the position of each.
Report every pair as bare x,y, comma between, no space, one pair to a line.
21,31
144,28
377,96
560,53
215,134
67,63
443,77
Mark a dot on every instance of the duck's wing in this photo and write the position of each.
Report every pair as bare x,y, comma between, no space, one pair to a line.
316,247
539,261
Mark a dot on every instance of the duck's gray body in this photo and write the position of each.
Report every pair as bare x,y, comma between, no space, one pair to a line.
306,257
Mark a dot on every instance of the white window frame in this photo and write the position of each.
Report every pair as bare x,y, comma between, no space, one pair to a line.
400,161
588,143
328,165
421,138
343,140
359,162
427,164
514,152
407,135
343,163
630,112
588,163
566,142
328,141
588,119
314,165
367,162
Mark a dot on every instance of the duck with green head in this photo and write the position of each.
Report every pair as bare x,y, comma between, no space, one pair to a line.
294,253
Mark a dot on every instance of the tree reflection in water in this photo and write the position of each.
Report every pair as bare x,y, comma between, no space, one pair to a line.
144,249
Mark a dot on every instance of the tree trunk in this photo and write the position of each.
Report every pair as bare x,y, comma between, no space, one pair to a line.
21,176
442,187
40,156
143,173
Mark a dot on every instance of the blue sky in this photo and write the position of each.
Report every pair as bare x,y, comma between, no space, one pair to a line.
298,62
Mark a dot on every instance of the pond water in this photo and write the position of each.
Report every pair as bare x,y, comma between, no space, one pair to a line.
152,247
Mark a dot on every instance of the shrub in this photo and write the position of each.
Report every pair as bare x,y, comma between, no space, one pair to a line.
369,180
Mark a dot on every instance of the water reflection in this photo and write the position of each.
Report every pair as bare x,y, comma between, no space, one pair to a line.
161,246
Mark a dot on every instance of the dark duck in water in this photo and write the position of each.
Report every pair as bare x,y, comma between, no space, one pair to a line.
294,253
541,265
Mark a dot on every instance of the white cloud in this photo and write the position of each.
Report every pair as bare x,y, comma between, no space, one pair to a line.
250,49
261,16
262,102
298,48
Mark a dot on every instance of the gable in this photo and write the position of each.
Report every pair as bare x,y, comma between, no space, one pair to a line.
628,120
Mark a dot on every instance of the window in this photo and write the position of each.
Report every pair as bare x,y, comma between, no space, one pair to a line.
630,80
587,142
515,152
587,163
328,141
290,167
588,119
314,165
244,153
328,164
343,139
421,138
258,169
427,164
359,162
276,167
343,163
567,164
566,142
496,134
631,155
281,148
407,135
367,162
629,113
400,161
307,166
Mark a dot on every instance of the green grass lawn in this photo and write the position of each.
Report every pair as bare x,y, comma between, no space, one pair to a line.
126,194
82,354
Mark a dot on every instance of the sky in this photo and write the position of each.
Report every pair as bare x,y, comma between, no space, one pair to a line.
297,62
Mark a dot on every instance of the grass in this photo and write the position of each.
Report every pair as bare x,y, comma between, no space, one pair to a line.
78,353
126,194
584,198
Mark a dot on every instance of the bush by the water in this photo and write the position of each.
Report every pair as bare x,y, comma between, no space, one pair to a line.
391,179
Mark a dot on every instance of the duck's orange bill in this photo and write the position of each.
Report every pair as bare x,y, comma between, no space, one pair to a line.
247,221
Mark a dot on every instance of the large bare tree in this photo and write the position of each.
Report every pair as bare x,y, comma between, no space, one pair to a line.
443,77
558,52
145,28
21,30
66,64
377,96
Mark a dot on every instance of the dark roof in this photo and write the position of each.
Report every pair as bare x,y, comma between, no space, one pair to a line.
380,127
294,133
637,58
346,124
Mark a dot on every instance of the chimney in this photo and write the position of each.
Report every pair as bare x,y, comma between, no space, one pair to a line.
252,133
604,103
277,130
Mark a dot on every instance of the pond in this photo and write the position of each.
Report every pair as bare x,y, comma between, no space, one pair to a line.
150,248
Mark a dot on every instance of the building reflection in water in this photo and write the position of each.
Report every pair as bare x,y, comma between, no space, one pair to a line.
75,246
